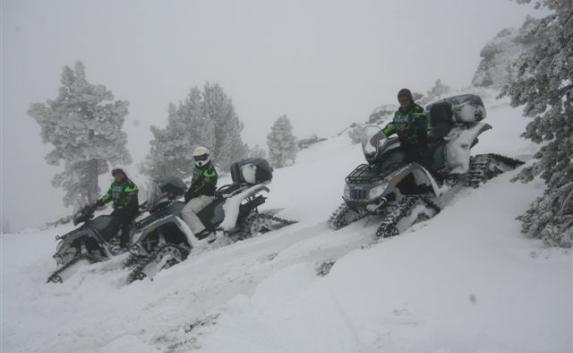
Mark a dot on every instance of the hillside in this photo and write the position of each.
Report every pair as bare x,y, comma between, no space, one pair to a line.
465,281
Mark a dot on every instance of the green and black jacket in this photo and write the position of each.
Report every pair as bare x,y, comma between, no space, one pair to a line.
203,183
411,125
123,195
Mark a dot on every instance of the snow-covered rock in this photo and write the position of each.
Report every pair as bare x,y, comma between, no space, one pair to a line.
499,55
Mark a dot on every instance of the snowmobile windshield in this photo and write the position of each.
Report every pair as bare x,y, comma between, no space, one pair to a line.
164,188
372,138
152,194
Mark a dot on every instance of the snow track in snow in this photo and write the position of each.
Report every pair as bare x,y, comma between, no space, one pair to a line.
465,281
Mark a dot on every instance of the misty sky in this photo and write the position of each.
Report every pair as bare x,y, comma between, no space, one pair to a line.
324,63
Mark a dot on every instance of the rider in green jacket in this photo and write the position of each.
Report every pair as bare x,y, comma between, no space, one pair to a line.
123,192
410,122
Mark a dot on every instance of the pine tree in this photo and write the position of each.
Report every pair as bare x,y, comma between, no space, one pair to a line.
257,152
281,143
172,147
544,87
84,124
206,118
218,107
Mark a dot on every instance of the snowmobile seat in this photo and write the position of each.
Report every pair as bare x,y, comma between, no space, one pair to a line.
173,186
441,120
229,189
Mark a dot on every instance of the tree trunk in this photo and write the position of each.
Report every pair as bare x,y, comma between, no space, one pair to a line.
92,181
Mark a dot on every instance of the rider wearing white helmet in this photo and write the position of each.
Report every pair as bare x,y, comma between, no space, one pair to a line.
202,190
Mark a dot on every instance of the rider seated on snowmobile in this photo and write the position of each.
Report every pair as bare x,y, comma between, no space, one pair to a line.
123,192
410,122
202,190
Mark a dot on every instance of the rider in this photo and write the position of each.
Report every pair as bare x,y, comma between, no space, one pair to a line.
410,122
123,193
202,190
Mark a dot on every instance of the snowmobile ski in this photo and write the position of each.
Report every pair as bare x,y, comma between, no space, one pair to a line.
402,215
65,272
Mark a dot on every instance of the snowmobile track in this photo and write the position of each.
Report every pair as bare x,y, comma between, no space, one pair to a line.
344,216
395,212
138,272
262,223
484,167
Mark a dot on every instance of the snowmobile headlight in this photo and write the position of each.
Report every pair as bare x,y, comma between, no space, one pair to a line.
347,192
377,191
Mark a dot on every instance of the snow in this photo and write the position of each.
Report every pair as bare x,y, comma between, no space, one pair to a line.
464,281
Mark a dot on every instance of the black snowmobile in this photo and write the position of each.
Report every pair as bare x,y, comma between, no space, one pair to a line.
403,194
166,240
90,243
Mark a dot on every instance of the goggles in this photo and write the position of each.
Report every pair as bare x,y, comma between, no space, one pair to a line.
202,157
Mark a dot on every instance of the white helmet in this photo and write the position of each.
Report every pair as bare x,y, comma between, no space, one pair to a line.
201,156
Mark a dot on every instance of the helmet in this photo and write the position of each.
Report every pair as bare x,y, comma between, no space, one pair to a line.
201,156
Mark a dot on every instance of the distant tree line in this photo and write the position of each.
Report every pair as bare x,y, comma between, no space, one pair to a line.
84,125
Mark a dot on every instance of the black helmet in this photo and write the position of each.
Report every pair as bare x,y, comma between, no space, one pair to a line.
404,92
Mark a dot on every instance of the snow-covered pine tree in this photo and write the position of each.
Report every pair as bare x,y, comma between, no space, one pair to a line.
544,86
206,118
84,124
281,143
218,108
257,152
172,147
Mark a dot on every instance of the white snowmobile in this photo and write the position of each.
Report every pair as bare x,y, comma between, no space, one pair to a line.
166,240
402,193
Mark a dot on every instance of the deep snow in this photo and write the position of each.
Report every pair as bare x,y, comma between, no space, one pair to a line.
465,281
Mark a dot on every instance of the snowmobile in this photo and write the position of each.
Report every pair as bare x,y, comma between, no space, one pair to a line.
166,240
403,193
88,244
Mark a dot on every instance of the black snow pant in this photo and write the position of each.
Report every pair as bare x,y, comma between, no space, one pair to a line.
122,220
419,154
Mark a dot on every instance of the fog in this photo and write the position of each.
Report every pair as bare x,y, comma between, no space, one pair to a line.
323,63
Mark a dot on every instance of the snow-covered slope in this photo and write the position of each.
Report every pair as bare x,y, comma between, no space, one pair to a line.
465,281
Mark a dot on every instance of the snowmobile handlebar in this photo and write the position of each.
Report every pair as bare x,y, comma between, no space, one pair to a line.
85,214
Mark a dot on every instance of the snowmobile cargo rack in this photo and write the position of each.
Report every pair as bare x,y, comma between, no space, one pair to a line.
251,171
464,109
365,173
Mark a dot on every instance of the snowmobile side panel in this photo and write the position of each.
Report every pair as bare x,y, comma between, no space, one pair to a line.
101,224
163,222
458,147
213,214
232,205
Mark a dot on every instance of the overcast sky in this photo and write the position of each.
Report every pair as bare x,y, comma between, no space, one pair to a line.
324,63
